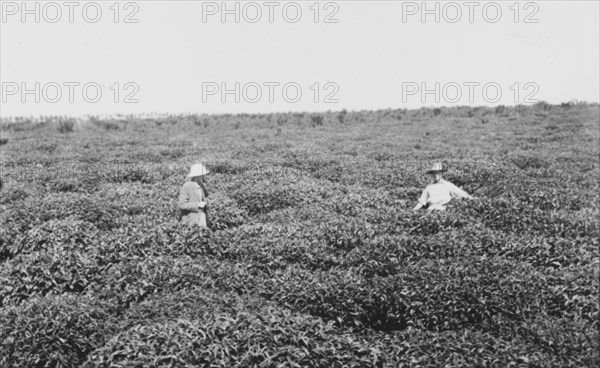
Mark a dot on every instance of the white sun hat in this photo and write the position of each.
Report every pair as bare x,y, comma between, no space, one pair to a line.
436,168
197,170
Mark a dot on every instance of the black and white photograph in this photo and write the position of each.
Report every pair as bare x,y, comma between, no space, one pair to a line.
290,184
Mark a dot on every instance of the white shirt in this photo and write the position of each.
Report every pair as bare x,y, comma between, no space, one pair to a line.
438,195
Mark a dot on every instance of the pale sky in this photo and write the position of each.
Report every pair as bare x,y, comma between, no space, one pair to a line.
379,54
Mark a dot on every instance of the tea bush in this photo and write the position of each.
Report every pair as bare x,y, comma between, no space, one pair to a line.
59,330
313,257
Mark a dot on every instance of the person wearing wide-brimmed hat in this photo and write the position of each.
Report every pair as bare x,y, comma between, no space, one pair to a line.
192,198
440,192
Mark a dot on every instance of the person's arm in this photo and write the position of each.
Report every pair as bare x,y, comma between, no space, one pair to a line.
204,190
418,206
422,200
184,201
456,192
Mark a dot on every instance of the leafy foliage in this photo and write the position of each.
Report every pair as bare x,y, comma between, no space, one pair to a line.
314,257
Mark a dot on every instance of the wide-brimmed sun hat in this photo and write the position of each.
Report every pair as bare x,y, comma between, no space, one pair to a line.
197,170
436,168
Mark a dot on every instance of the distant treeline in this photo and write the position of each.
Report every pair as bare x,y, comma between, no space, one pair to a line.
486,114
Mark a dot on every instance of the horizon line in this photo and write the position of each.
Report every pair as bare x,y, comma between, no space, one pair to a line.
573,102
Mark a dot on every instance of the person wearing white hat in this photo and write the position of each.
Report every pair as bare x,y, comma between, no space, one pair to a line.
192,198
440,192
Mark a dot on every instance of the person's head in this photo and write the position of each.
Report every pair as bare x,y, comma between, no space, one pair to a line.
435,173
197,171
435,177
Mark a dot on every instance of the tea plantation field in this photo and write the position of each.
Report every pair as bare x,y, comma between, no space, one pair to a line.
314,257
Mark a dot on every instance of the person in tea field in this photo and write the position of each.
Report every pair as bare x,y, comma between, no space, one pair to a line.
192,198
440,192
